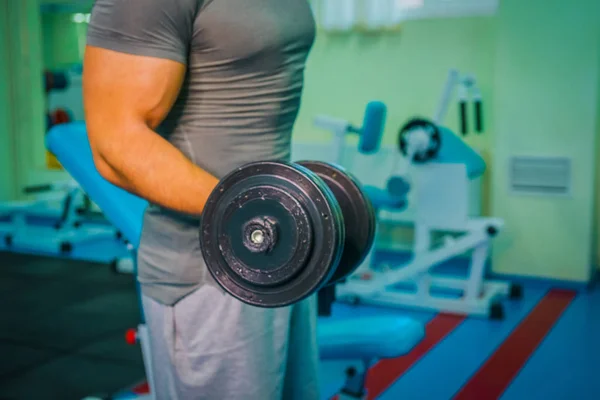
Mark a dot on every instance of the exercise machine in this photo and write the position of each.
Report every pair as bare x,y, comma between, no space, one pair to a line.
63,203
369,133
436,167
387,336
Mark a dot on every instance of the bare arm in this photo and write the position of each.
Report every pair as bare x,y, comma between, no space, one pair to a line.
126,97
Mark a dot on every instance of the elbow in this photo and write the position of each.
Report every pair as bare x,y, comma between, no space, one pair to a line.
112,151
104,168
103,162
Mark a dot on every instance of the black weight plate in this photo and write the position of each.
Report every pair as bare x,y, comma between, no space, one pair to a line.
358,213
290,229
302,216
420,123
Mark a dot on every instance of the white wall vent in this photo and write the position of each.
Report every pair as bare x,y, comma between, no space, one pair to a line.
548,176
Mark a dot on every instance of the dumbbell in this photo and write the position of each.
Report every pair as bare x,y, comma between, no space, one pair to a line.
273,233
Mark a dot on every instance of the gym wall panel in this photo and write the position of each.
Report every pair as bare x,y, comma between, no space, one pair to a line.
546,104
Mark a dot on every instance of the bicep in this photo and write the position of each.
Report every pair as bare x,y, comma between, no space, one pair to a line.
135,61
121,89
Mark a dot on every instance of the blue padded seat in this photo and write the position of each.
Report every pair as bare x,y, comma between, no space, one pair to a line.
368,337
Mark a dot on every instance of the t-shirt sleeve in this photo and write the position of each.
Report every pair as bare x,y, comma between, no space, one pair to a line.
153,28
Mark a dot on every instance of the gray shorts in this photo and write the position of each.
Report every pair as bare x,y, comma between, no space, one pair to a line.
212,346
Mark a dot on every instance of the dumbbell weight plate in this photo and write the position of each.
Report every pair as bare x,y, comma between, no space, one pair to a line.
358,214
271,233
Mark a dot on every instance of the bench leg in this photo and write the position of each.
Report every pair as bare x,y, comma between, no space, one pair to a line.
354,388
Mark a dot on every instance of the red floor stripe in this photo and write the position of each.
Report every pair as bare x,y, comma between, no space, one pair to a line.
383,374
500,369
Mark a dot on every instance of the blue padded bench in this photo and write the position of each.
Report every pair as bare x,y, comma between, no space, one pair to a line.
364,338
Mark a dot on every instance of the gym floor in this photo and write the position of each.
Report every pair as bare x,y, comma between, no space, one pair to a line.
62,325
62,329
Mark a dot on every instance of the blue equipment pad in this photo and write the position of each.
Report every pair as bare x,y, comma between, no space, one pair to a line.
69,143
373,127
398,187
367,337
455,151
382,199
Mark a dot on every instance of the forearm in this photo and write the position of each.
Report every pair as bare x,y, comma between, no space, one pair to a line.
150,167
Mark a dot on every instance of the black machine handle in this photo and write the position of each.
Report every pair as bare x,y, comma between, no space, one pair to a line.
478,116
37,189
464,128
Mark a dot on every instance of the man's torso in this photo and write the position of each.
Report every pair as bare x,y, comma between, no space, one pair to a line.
238,104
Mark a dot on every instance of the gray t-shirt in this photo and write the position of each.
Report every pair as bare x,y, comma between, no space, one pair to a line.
245,67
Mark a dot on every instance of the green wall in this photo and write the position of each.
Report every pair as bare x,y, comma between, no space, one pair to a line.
546,103
597,187
23,101
537,64
406,70
6,159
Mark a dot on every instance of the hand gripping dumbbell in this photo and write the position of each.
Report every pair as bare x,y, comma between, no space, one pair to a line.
273,233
